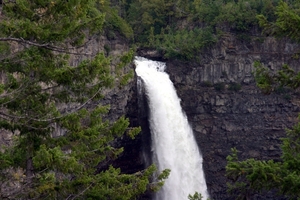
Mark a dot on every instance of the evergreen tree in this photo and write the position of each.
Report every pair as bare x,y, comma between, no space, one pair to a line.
42,93
143,15
286,23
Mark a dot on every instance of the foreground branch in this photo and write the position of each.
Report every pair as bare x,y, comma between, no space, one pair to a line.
46,46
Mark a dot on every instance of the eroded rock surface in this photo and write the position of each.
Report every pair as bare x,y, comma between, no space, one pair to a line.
236,113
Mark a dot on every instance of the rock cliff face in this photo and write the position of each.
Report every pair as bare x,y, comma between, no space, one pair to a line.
227,110
221,101
123,101
118,98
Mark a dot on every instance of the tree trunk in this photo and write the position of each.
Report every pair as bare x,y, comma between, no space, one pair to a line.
29,168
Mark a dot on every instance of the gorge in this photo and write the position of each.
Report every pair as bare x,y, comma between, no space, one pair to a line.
71,100
223,118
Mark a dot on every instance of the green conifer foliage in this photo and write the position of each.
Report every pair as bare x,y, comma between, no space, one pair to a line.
41,93
164,25
286,23
256,175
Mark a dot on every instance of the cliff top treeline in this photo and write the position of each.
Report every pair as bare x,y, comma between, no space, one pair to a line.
181,28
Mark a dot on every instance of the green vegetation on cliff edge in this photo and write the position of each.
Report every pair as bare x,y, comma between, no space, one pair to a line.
181,29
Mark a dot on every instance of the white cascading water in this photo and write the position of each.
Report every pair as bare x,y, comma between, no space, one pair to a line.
173,142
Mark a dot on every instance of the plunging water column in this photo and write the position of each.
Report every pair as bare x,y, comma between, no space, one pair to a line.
173,143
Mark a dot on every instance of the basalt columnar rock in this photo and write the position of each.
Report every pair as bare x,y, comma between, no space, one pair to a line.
222,103
227,110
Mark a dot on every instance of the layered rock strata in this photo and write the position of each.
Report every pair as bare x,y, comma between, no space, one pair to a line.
227,110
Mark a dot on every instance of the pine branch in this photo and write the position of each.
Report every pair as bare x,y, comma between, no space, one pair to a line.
71,197
49,120
47,46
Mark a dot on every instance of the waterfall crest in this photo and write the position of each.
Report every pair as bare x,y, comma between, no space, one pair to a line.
173,143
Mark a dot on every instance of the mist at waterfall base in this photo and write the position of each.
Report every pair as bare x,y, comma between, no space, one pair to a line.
173,143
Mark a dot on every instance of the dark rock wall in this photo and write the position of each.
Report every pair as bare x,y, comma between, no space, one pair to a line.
123,101
227,117
222,118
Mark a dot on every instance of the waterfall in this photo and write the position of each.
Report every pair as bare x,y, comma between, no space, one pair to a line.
173,143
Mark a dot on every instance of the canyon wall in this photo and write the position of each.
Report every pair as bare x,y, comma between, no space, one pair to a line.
227,110
123,101
220,99
118,98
